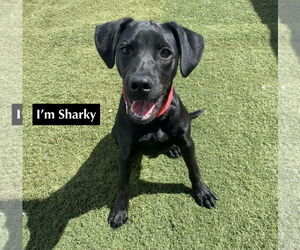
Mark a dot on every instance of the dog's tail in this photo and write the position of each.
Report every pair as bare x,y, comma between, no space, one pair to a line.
195,114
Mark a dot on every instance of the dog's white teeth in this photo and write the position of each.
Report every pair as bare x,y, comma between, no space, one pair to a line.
141,117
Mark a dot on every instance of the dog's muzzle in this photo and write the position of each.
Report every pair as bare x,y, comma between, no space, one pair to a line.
143,109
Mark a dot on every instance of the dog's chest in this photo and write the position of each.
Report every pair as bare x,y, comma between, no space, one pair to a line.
154,143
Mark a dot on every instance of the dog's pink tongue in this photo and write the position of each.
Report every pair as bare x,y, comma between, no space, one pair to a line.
142,108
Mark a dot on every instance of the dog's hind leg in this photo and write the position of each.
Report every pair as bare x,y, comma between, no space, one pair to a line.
173,152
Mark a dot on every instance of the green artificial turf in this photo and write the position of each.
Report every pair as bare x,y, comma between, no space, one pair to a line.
70,171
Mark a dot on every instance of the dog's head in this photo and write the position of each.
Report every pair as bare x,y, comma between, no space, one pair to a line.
147,54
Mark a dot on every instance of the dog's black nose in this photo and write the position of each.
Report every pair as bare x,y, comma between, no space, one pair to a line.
140,84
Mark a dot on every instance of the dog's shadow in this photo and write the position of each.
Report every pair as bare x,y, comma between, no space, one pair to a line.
93,186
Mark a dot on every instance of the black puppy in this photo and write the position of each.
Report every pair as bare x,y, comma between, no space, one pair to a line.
151,118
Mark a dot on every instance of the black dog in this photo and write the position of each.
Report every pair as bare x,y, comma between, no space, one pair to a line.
151,118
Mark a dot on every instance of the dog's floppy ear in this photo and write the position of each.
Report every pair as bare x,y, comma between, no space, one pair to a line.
190,46
106,38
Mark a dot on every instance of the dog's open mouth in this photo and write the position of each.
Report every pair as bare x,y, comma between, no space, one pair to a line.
144,109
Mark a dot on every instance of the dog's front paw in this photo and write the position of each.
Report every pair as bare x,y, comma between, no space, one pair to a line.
205,198
117,218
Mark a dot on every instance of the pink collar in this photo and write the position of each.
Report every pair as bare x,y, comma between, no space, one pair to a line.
164,107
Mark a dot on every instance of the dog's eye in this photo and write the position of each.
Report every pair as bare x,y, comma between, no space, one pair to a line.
125,50
165,53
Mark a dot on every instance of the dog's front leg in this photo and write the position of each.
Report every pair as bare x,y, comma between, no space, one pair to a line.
203,195
119,213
